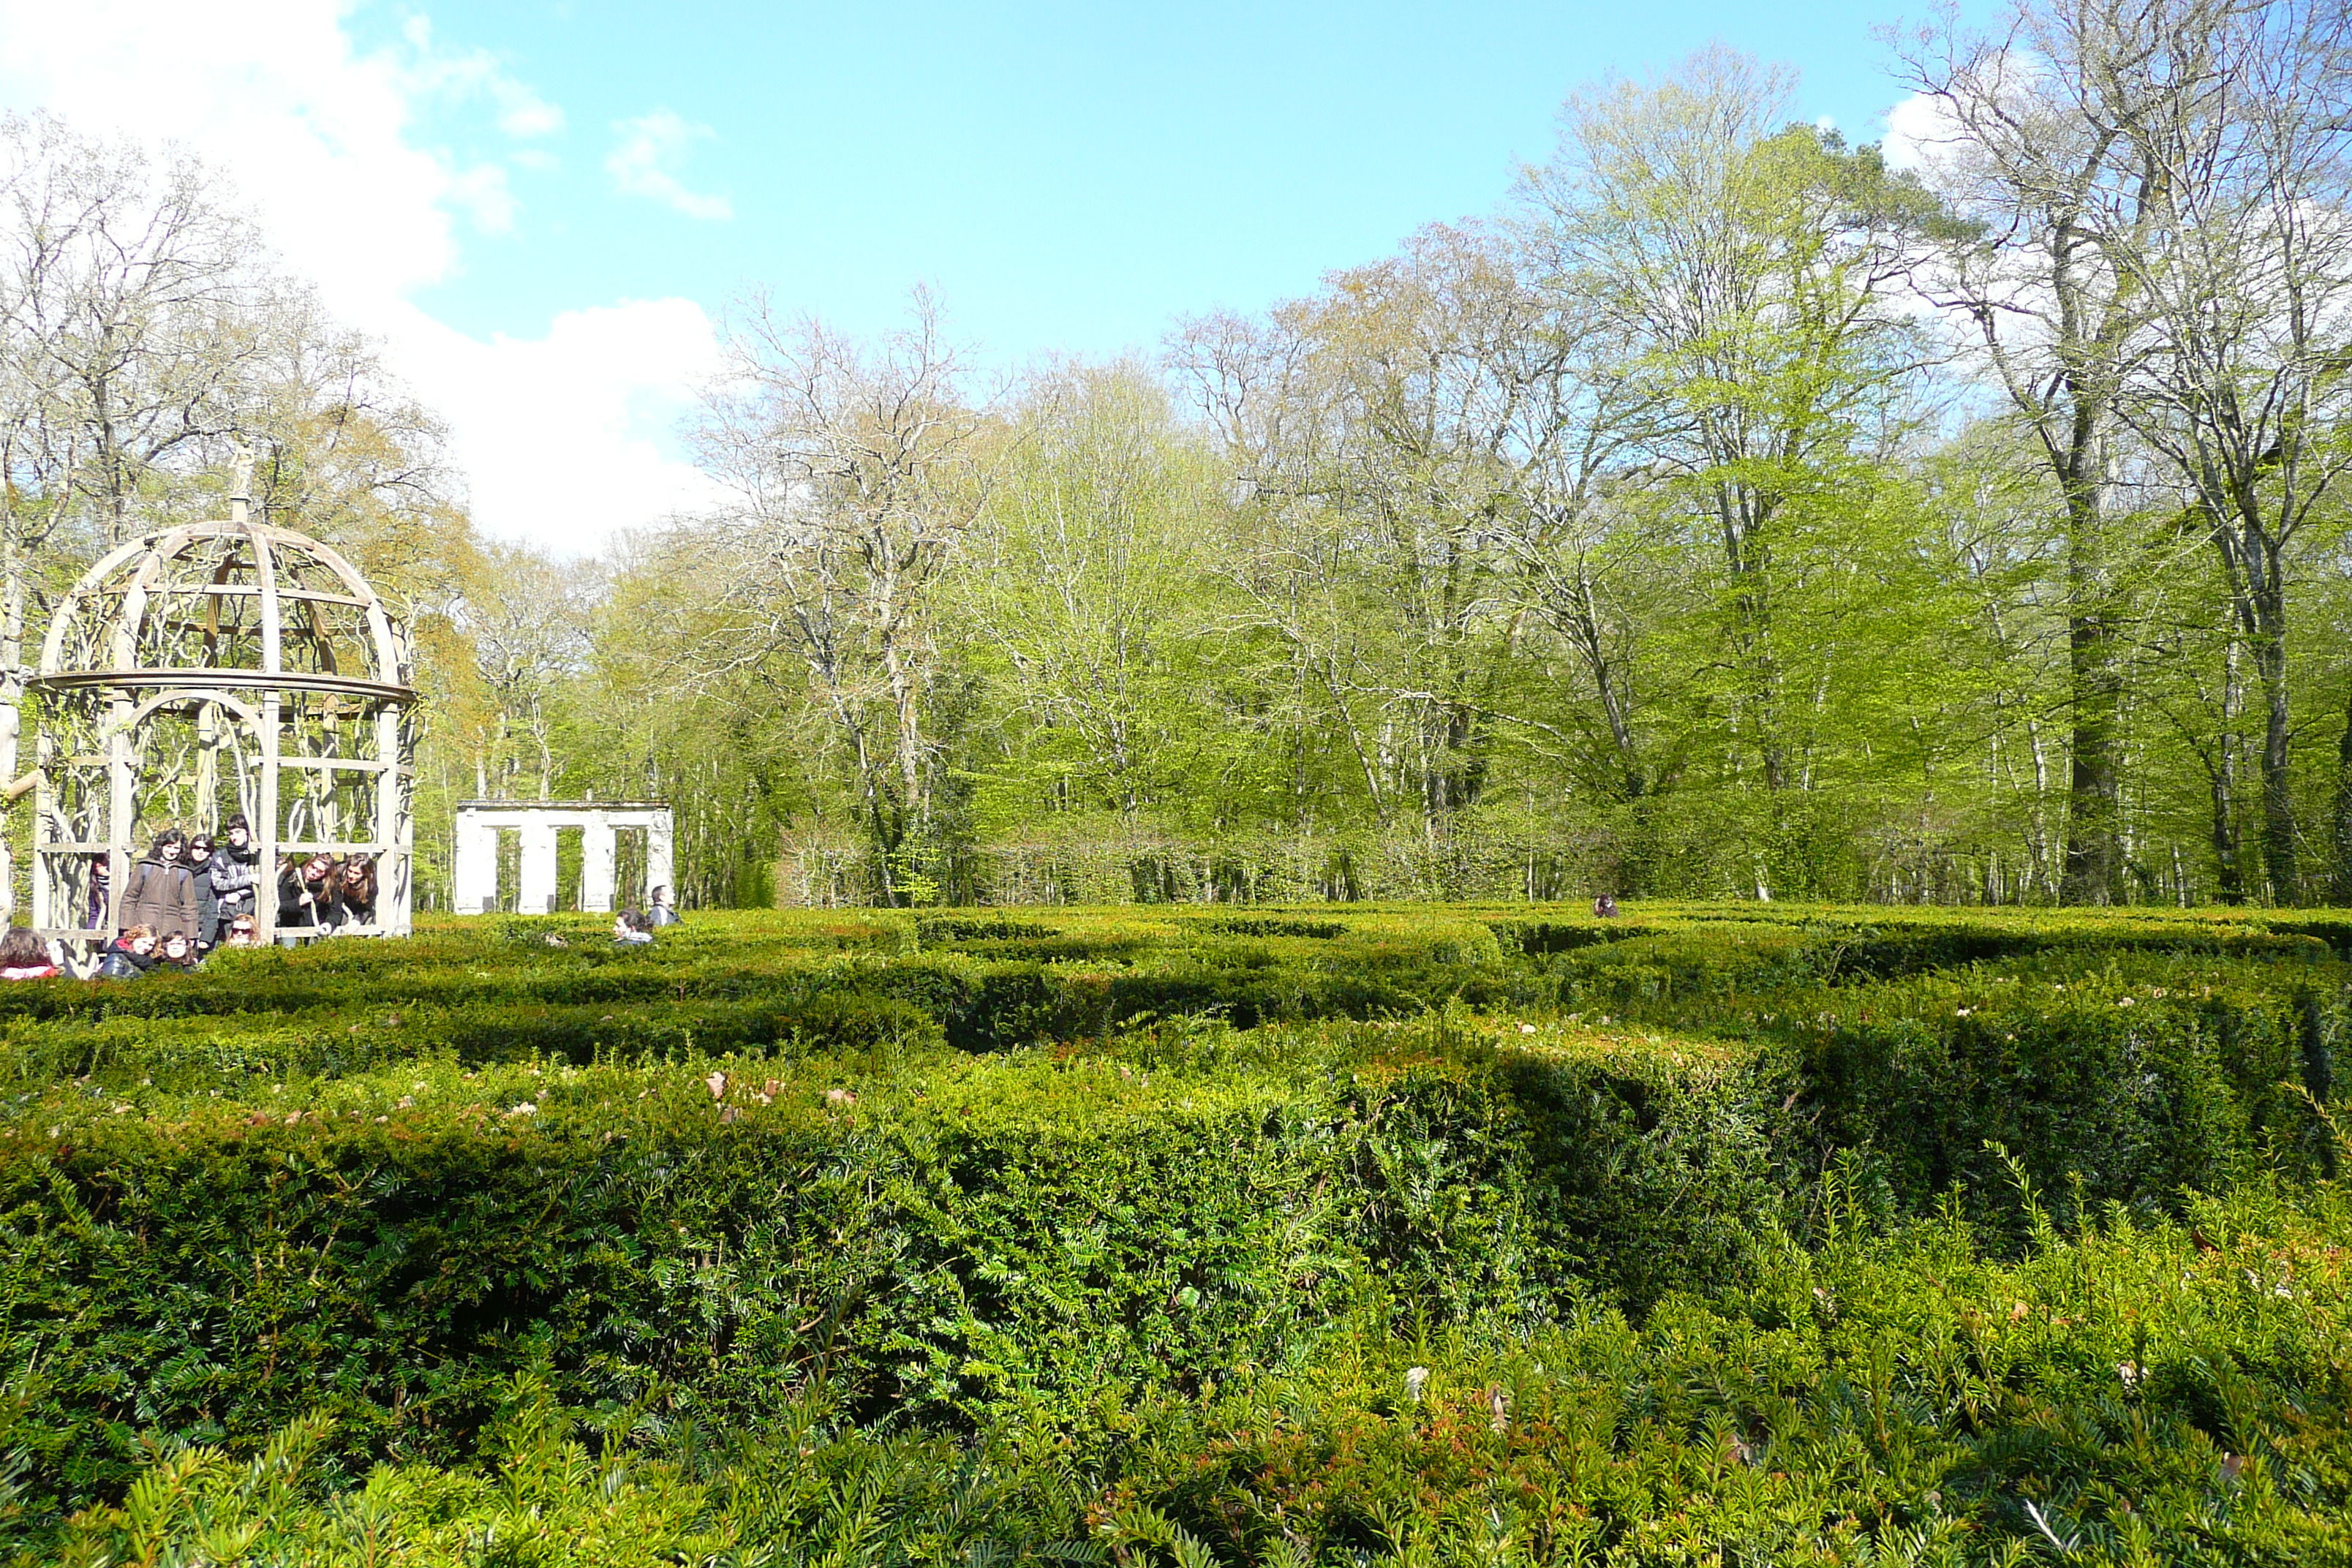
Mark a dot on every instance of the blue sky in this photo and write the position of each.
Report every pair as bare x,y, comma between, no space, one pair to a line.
1069,176
542,209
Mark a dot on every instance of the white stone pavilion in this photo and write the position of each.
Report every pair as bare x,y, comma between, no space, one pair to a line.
537,823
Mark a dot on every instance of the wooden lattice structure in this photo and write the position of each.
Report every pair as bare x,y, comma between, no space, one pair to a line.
216,669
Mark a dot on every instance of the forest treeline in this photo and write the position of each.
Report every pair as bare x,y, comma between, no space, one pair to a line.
1732,513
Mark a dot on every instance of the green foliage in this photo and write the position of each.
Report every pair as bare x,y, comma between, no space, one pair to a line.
1112,1235
2130,1395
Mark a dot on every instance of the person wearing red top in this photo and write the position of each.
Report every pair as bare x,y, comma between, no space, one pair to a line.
23,956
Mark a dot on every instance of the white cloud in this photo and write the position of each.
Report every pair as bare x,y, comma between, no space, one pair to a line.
1912,127
485,196
647,152
317,135
562,437
585,460
464,74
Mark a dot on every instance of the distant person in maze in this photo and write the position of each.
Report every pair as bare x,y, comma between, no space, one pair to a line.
161,893
632,927
354,886
233,873
663,913
306,895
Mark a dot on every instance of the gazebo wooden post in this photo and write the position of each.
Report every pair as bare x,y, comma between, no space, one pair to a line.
264,832
120,809
44,805
391,821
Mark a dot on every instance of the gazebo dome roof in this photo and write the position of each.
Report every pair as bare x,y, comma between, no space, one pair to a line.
231,604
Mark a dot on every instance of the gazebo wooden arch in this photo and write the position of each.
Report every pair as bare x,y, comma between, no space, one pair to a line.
212,670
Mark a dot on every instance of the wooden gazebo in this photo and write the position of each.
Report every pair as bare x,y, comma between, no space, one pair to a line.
212,669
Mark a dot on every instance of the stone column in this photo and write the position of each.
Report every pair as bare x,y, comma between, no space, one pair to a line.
659,872
597,864
474,878
538,889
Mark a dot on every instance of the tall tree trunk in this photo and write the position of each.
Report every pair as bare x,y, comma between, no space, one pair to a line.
2340,890
12,700
2224,776
2279,858
2093,871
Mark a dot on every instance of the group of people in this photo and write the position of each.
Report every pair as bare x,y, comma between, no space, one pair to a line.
636,928
197,888
190,894
208,890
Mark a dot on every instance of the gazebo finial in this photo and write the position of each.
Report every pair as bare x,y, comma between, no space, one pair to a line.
240,495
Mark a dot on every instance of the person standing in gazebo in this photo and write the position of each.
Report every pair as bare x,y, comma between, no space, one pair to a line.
234,875
161,891
101,888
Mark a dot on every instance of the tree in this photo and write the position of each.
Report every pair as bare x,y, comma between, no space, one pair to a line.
1754,274
527,619
127,297
855,466
1081,580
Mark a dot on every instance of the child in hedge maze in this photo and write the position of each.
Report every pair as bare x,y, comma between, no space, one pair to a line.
161,893
233,874
632,927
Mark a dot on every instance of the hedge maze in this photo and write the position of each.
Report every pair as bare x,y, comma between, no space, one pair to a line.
1342,1235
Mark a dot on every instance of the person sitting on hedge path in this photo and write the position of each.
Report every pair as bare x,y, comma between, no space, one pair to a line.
232,873
23,956
632,927
306,895
663,913
130,955
161,891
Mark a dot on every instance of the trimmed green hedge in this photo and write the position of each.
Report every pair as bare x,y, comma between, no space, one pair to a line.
1066,1180
944,1238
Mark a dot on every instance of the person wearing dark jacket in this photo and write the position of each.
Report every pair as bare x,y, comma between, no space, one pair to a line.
232,873
306,895
663,913
161,891
354,883
130,955
200,866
